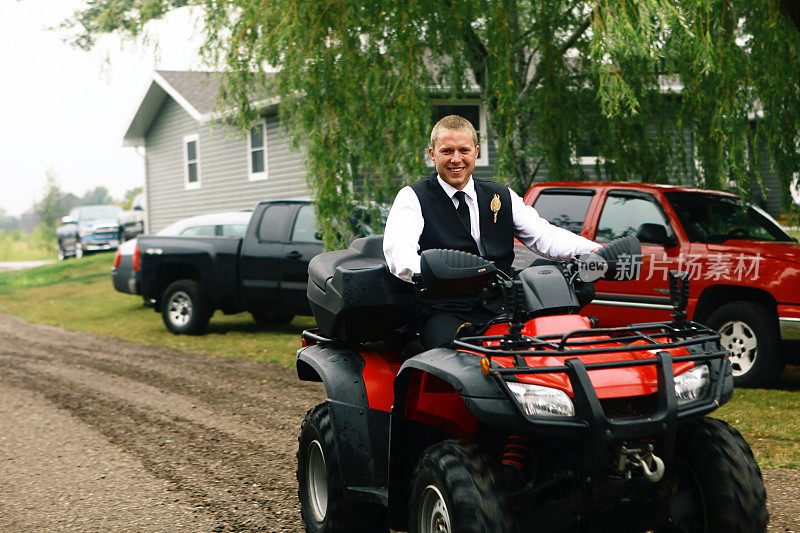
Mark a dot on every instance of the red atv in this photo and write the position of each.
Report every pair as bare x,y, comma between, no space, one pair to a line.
537,422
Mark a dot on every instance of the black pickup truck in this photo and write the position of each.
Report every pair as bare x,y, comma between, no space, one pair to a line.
186,279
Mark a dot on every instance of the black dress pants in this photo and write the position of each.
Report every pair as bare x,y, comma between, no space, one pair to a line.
441,328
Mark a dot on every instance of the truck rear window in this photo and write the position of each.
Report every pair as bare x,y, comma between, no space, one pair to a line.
564,209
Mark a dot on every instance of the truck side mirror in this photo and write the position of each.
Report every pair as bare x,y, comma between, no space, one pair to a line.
655,234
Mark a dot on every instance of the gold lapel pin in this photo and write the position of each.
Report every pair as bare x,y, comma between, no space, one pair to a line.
495,206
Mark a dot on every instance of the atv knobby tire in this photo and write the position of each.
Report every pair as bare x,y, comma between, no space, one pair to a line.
323,505
716,467
455,490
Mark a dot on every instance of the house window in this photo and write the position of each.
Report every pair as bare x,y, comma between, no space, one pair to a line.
191,157
586,152
472,110
257,152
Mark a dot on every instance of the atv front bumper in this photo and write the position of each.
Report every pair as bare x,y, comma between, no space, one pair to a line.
597,423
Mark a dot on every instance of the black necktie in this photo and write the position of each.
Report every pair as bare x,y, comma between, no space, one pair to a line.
463,209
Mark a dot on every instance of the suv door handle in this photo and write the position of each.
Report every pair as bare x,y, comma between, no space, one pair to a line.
294,254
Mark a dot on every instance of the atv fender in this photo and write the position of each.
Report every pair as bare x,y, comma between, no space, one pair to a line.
481,395
361,433
339,368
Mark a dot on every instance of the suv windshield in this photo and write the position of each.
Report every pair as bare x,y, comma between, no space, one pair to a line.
713,218
89,214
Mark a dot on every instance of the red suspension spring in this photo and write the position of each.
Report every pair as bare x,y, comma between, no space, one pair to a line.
516,451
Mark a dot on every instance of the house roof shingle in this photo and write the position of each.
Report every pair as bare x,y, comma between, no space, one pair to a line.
195,91
200,89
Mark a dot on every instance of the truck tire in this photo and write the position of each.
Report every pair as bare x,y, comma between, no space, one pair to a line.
184,308
323,505
454,490
720,488
747,329
61,255
271,319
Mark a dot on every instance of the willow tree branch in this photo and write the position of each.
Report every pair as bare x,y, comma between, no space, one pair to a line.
579,31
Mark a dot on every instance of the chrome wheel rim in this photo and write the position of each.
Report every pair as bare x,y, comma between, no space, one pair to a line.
433,516
179,308
317,480
740,339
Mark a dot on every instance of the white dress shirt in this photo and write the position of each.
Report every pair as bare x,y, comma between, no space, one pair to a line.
405,224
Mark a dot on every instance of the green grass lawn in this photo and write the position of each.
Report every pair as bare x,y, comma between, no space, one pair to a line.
15,246
78,295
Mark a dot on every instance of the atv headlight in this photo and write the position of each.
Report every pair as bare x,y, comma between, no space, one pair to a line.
691,385
542,401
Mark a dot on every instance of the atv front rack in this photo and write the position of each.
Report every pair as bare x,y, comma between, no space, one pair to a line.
597,421
683,334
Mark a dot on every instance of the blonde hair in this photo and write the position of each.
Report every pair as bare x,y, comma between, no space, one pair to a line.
453,123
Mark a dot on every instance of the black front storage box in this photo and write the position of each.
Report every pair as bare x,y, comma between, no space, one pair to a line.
353,295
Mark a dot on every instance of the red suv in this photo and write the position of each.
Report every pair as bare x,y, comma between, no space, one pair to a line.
744,269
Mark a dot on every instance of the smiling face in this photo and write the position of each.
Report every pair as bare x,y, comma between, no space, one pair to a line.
454,155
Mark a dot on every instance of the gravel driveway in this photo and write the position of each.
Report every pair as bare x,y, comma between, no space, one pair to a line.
98,434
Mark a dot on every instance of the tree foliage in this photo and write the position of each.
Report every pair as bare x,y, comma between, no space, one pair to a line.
130,196
99,195
48,207
355,81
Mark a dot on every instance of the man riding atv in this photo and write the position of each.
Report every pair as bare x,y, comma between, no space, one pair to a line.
449,209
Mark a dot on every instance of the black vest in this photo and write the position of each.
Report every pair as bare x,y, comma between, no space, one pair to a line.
444,229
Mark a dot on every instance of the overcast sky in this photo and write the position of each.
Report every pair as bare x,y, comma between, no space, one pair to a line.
66,109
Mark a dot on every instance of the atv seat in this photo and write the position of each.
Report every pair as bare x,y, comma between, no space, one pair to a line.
353,295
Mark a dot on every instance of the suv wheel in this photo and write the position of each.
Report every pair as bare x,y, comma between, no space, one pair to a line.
747,329
184,308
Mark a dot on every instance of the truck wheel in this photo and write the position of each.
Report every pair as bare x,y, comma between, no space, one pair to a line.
719,484
323,505
747,330
61,255
184,308
271,319
455,491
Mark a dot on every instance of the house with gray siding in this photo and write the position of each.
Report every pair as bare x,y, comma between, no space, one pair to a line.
195,163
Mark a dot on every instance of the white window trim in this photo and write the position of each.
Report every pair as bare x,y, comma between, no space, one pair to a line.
588,160
585,160
257,176
483,155
186,140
